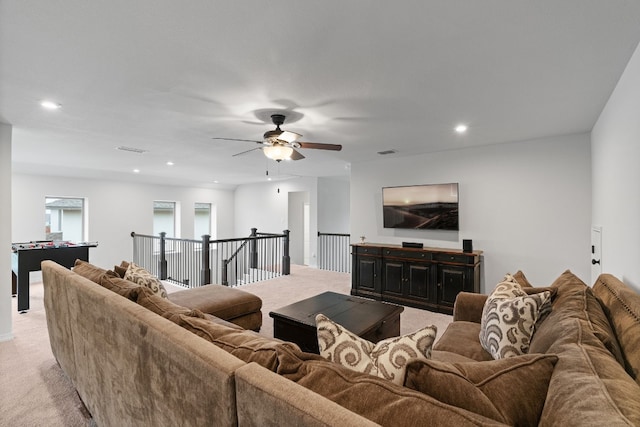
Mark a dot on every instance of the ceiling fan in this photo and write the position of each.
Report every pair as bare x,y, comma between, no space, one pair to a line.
281,144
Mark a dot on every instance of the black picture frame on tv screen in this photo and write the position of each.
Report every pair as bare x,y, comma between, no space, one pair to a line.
421,207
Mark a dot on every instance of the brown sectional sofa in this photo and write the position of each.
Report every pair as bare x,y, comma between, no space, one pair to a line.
594,332
132,366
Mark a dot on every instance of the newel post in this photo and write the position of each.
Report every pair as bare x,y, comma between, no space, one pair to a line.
224,272
253,249
205,273
163,257
286,259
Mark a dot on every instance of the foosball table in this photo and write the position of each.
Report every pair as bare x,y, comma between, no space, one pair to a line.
26,257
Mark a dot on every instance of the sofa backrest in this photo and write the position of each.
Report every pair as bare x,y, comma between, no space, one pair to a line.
589,383
131,366
59,318
622,306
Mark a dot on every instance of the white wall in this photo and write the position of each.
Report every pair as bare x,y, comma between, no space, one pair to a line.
333,204
115,209
615,142
263,207
527,205
5,233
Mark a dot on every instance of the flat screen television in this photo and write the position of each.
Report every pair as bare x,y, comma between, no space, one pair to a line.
421,207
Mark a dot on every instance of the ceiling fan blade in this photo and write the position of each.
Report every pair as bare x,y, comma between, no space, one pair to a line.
236,139
320,146
296,155
247,151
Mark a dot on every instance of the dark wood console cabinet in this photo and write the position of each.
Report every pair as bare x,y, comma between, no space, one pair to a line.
428,278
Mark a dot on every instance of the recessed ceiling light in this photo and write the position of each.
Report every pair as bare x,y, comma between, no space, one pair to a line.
216,181
136,171
50,105
169,163
461,128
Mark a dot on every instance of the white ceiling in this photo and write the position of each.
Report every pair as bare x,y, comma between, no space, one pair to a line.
166,76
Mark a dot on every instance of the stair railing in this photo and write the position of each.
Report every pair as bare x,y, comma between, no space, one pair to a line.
191,263
333,252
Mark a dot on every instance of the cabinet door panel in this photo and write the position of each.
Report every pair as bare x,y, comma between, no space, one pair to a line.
419,281
392,277
452,281
367,273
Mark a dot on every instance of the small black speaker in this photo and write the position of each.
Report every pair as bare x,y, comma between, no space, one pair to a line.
412,245
467,245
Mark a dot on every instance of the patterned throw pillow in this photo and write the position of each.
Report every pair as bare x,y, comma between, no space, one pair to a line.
509,317
386,359
139,275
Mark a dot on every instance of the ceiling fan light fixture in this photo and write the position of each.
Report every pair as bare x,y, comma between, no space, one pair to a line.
272,134
278,152
289,137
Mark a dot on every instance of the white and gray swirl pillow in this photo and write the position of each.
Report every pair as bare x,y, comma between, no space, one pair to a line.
141,276
387,359
509,317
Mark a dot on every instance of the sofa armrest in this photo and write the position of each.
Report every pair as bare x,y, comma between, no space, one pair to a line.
468,307
266,398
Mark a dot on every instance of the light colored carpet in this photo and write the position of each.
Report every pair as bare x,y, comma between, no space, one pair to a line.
35,392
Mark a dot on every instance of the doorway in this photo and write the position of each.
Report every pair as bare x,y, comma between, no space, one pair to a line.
596,252
299,238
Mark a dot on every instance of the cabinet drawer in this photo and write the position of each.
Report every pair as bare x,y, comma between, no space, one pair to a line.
456,258
414,255
368,250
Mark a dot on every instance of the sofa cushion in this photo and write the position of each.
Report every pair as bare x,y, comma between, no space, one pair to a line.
468,307
164,307
372,397
88,270
622,306
586,367
245,345
522,280
127,289
139,275
511,390
120,271
220,321
508,319
450,357
221,301
588,385
461,338
385,359
575,300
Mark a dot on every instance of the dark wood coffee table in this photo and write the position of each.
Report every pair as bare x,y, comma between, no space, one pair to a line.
371,320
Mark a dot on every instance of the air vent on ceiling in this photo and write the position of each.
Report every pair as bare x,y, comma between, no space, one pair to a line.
131,149
385,152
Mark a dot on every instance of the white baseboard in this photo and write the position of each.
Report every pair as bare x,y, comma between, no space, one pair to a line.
6,337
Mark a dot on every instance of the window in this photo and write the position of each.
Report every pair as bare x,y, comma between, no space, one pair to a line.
164,218
65,219
202,220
